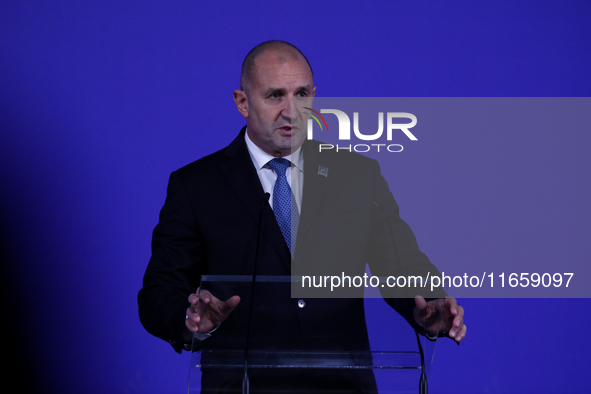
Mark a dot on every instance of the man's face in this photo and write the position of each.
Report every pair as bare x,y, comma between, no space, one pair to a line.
281,85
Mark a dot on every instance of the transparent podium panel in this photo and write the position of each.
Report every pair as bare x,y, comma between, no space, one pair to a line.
271,342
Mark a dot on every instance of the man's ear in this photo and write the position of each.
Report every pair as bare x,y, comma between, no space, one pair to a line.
241,102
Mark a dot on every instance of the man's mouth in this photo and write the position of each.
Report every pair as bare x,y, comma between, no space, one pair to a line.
287,129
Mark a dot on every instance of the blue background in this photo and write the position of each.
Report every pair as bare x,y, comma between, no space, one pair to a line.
100,101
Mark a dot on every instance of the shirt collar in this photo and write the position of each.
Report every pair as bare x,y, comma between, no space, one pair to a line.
260,158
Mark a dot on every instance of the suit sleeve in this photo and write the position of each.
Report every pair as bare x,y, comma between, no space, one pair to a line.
394,251
175,268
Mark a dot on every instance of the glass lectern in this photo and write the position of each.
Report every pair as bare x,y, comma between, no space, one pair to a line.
256,341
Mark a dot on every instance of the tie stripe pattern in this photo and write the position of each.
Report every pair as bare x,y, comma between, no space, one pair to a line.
284,205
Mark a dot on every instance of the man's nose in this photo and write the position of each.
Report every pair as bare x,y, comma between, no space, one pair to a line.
289,109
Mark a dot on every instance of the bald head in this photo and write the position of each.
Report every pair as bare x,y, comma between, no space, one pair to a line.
276,83
281,51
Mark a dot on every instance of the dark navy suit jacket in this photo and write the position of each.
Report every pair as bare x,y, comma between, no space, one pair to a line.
210,225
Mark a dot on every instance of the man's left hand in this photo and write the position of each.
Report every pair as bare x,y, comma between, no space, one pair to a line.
442,315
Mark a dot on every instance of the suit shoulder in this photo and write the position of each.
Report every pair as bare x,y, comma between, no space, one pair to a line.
204,165
210,164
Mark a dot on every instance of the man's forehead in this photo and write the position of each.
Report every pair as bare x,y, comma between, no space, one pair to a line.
281,66
281,54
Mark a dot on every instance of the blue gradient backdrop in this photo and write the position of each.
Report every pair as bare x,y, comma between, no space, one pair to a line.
100,101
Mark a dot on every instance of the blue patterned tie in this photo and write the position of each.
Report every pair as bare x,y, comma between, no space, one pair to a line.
284,205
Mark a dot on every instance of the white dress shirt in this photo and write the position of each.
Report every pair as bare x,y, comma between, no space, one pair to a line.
294,173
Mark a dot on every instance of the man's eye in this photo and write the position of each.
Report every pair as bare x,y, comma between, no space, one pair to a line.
303,94
275,95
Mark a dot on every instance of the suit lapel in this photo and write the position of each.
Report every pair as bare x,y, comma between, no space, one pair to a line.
240,173
242,177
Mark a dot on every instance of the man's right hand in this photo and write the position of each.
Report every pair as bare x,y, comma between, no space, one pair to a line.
207,312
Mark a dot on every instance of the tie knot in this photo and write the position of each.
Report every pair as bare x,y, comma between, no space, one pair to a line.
279,165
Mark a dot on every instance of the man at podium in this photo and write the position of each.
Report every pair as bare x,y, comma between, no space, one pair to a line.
274,204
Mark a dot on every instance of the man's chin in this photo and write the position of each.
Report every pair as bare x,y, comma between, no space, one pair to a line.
296,140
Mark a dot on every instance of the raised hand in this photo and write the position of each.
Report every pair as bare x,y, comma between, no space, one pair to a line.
442,315
207,312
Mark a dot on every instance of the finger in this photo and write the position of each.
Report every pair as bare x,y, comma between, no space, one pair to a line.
420,302
205,296
191,326
459,317
457,325
452,305
193,299
191,320
462,333
205,299
230,304
193,314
